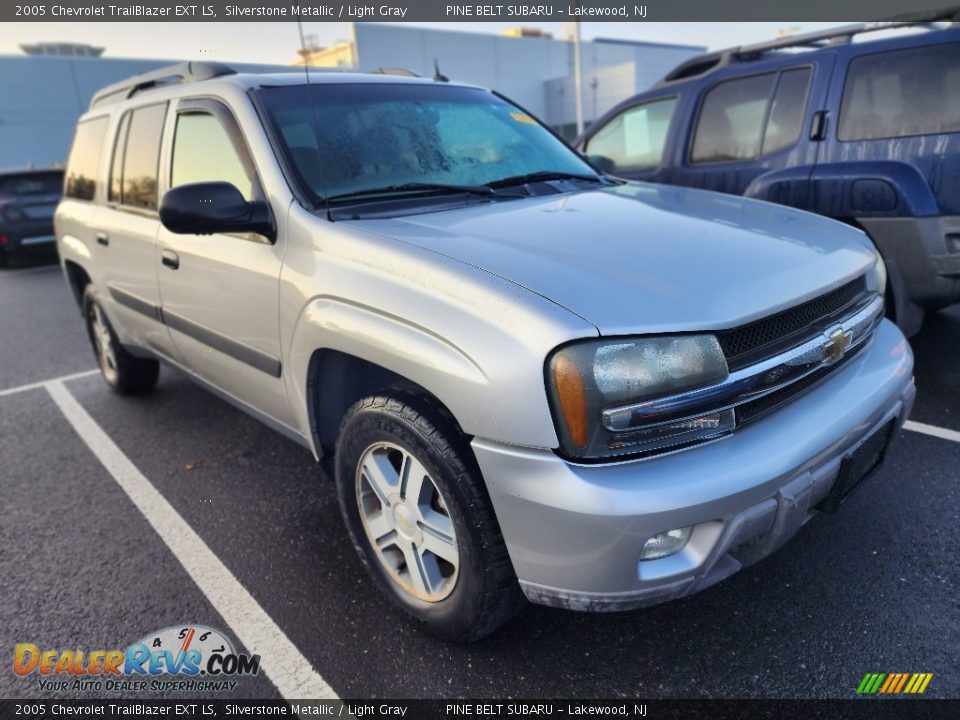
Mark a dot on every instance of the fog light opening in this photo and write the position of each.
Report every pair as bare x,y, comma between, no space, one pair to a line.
665,544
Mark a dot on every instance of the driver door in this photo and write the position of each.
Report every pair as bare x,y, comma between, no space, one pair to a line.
219,292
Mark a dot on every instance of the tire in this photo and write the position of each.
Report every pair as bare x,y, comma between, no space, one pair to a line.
126,374
460,601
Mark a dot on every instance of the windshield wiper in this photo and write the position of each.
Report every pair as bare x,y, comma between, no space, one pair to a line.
544,175
412,187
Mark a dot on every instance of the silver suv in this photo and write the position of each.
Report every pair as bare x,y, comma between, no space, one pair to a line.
531,380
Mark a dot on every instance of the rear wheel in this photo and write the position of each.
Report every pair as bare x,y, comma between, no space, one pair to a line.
419,516
123,372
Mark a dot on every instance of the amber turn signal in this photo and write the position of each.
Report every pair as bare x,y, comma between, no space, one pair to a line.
572,398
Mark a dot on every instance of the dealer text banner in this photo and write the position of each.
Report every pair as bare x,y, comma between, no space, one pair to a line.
442,10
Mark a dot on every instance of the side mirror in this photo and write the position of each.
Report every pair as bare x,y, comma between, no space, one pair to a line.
213,207
601,162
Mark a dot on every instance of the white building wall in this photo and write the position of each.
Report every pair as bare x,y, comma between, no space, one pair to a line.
520,67
41,98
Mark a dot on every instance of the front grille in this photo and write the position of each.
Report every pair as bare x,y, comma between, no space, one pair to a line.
764,338
761,406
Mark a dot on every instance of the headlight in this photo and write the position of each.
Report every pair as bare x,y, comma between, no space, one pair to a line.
877,277
586,379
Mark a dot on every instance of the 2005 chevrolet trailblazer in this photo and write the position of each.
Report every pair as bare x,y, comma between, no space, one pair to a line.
531,379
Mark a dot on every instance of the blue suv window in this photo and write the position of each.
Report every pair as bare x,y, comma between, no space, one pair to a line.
902,93
634,139
744,118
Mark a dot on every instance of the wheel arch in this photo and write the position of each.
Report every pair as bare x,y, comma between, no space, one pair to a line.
77,279
336,380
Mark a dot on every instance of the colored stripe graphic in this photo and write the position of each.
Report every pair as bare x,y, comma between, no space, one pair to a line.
894,683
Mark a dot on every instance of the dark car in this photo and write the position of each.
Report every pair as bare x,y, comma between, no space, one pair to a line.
867,133
28,199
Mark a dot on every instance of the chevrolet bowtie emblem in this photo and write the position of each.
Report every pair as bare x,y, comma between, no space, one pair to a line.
835,347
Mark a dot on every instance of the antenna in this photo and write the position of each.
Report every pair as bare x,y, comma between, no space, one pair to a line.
437,75
313,116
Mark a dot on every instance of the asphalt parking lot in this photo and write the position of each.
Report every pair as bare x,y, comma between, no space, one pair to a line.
185,510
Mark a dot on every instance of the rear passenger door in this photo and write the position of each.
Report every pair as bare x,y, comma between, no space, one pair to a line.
220,292
126,229
899,107
746,126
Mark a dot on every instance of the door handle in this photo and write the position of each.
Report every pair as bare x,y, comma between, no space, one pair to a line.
103,239
818,127
170,259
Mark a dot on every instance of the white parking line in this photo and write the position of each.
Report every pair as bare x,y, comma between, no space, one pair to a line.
933,430
286,667
44,383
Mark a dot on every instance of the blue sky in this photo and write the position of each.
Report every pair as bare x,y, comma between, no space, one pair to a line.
277,42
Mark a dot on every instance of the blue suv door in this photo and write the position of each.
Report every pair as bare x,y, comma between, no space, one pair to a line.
750,130
891,161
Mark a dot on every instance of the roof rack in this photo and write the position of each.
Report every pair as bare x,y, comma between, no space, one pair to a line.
193,71
842,35
401,72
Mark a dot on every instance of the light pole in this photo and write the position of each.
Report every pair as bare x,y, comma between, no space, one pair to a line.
577,79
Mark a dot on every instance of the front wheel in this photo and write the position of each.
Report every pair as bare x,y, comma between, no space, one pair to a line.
419,516
123,372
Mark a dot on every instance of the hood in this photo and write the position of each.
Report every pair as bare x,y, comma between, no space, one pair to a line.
647,258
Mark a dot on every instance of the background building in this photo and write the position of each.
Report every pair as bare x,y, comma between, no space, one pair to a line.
44,90
531,67
43,93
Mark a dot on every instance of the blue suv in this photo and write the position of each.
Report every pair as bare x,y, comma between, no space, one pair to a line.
867,133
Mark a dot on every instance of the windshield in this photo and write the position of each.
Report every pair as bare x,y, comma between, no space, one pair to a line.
374,136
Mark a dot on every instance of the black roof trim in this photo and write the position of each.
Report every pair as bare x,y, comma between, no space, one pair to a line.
193,71
708,62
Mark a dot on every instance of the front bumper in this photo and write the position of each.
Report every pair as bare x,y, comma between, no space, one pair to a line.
574,532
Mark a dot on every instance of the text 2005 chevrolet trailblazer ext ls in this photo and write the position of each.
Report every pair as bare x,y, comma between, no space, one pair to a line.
531,379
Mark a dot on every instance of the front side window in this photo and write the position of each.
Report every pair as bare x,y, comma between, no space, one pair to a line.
902,93
731,121
83,165
204,152
634,139
140,157
345,139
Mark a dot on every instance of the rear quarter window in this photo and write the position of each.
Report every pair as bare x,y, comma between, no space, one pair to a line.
83,165
901,93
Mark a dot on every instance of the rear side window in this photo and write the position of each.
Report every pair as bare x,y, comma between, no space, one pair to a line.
745,118
31,184
84,162
138,144
204,152
115,192
787,111
731,121
901,93
634,139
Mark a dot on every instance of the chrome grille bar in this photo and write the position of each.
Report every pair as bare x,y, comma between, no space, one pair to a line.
755,381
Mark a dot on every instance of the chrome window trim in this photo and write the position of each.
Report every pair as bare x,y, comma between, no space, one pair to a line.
752,382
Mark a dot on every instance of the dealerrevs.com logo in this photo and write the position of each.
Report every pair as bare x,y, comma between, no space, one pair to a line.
192,657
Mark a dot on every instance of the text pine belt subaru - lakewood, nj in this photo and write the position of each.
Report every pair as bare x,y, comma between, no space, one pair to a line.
532,380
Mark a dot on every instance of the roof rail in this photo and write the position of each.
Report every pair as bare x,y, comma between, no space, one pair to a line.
193,71
402,72
702,64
